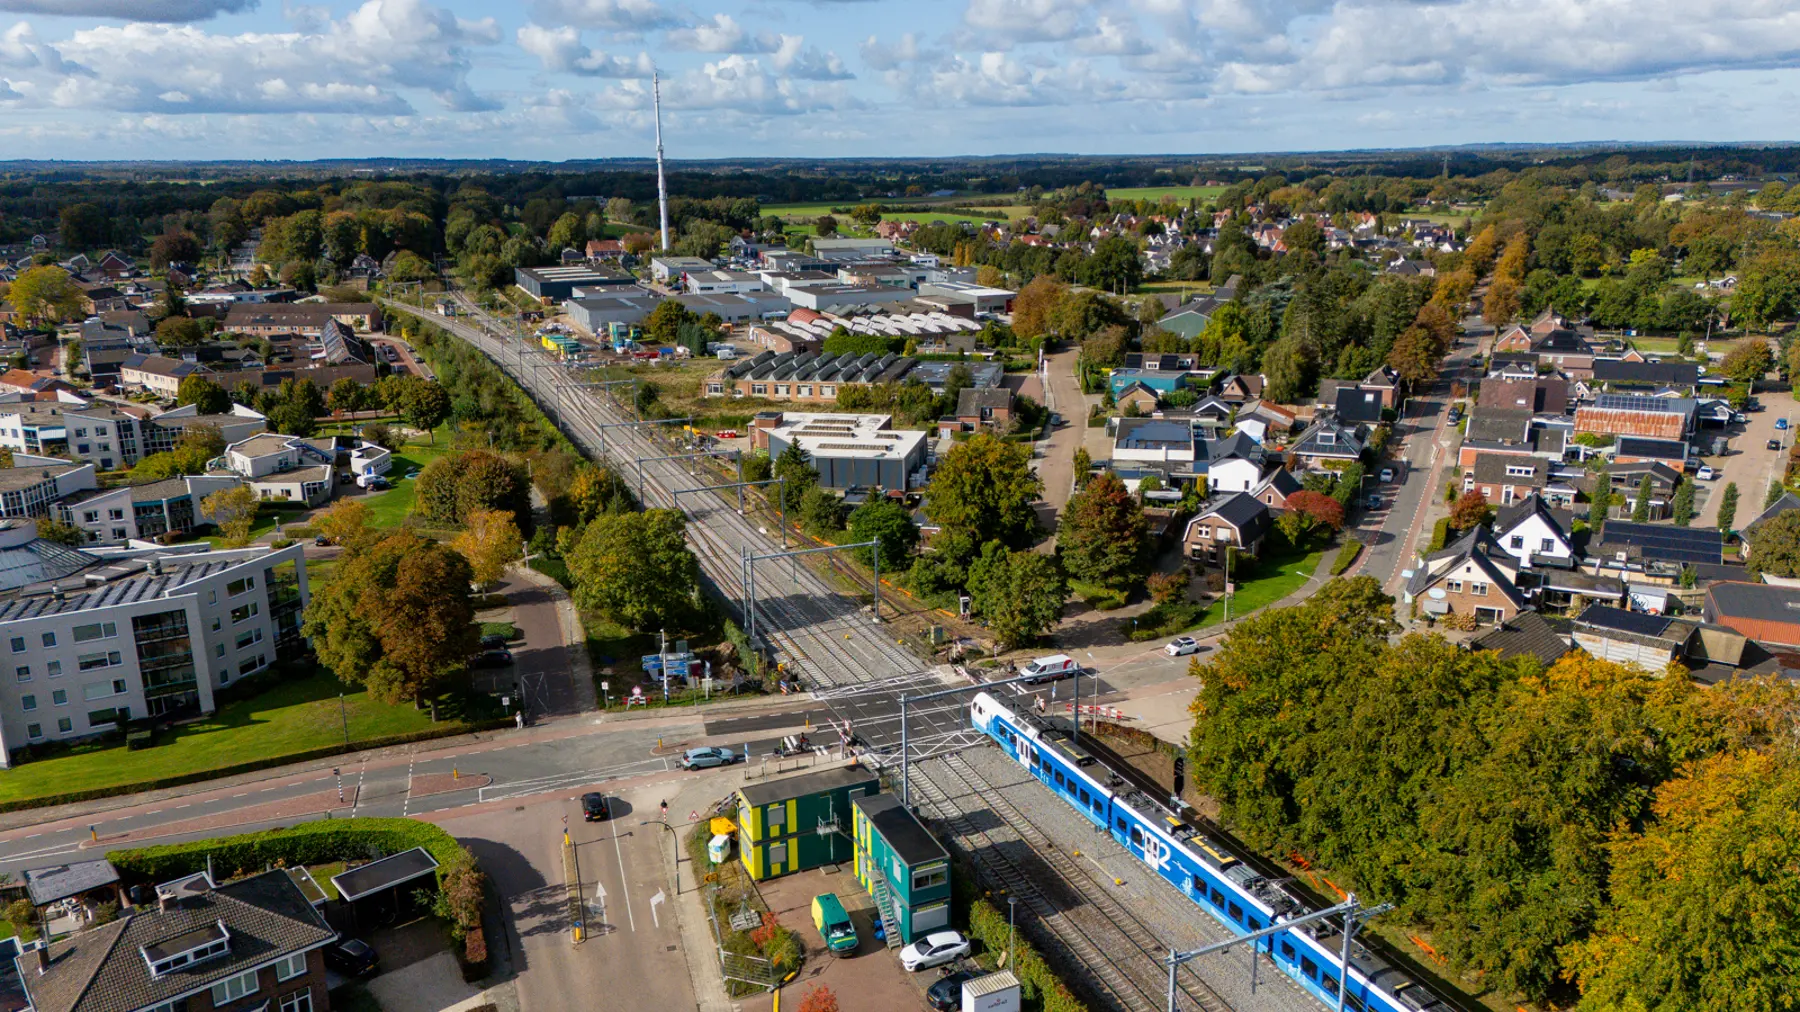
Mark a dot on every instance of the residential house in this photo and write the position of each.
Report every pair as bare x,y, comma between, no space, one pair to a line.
1617,375
254,944
1275,487
1238,521
1655,550
1357,406
1628,478
1386,382
1328,445
157,374
1759,611
1496,430
1540,395
602,250
1153,441
1527,634
1278,419
1231,464
1240,388
1138,396
1473,576
985,408
1642,450
33,385
1504,478
307,318
1636,415
1532,532
1652,642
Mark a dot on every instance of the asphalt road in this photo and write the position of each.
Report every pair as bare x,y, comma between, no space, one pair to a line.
1748,461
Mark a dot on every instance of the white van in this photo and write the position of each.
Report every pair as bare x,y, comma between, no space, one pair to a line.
1050,669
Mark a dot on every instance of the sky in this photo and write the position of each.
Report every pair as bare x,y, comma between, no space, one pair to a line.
570,79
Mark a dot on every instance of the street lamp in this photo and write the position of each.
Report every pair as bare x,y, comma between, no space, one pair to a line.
1012,903
664,823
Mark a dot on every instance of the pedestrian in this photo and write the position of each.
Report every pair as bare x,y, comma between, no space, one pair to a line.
665,811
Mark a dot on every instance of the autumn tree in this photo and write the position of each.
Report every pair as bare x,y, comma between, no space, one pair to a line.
1470,510
1020,594
233,511
1749,361
1102,534
344,522
1308,511
819,998
490,541
45,294
596,490
397,617
456,485
637,569
1034,305
984,486
1706,900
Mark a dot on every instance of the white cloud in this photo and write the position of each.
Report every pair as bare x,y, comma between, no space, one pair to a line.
1001,79
361,63
561,50
130,10
1010,21
794,58
720,35
609,15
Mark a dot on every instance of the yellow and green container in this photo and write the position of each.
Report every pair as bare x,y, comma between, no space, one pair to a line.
799,823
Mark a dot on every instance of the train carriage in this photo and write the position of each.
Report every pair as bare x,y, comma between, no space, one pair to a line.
1203,867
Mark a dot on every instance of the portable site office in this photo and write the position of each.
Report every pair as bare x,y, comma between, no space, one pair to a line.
903,867
799,823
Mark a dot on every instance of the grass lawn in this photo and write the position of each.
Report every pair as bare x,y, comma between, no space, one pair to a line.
1181,193
292,717
388,509
1277,577
322,873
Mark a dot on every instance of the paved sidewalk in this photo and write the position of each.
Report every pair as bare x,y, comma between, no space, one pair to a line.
581,672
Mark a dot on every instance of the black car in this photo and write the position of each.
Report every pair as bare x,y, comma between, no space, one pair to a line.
493,641
493,659
946,994
593,807
1774,444
352,957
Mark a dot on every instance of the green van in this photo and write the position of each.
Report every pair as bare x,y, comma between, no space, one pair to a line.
833,923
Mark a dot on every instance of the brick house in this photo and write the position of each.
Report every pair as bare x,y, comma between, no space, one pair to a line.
989,407
1630,415
253,944
1474,577
1238,521
1504,478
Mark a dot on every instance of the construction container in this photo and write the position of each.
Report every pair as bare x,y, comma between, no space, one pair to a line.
904,868
799,823
996,992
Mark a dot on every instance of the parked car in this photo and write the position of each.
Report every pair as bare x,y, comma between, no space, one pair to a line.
493,658
1181,646
946,994
1781,423
1774,444
1373,502
1387,474
320,540
707,756
1455,413
493,641
593,807
1706,473
1050,669
352,957
935,949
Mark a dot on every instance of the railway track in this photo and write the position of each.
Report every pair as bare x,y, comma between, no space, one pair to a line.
1122,953
832,640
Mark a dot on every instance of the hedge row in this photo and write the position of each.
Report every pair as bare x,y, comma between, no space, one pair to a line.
1440,534
308,843
250,766
1346,557
1037,981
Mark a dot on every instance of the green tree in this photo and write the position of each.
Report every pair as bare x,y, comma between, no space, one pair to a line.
1682,508
457,485
1600,500
1020,594
1102,534
45,293
1728,501
1749,361
55,531
665,321
233,511
1774,494
425,405
984,487
181,332
1083,466
636,569
208,397
821,511
889,523
397,617
1640,509
1776,550
1706,899
348,395
292,420
794,465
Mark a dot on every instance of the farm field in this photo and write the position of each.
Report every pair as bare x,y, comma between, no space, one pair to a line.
1182,193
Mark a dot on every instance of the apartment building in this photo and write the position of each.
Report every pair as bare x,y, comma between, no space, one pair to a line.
121,513
95,637
109,437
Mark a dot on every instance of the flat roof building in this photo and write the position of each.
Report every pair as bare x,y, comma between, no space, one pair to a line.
594,313
849,450
556,283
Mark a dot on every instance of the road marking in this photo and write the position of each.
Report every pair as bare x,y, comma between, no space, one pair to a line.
654,900
188,805
620,851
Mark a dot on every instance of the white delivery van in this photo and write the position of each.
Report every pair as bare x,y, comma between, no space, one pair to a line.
1050,669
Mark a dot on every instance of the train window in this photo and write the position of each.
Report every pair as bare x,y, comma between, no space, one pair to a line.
1059,777
1252,923
1121,825
1085,800
1199,887
1137,837
1218,899
1287,952
1099,810
1351,1001
1328,982
1236,912
1308,967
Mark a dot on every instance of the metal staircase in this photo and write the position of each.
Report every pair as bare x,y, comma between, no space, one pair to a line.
885,905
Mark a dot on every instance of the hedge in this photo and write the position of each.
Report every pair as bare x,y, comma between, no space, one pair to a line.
308,843
1440,534
251,766
1346,557
1036,978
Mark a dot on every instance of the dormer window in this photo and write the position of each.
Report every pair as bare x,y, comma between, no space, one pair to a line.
185,950
1516,471
1327,438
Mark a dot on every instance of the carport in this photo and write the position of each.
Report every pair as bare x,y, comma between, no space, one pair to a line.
384,892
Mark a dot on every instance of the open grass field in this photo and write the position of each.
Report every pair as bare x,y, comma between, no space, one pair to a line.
1276,578
1181,193
292,717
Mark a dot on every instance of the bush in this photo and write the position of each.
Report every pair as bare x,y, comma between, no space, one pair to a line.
1440,535
1166,619
474,956
307,843
1346,557
1102,598
1036,979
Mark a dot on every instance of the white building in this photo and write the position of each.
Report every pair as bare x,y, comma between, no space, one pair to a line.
723,282
32,490
122,513
285,468
670,270
95,638
108,437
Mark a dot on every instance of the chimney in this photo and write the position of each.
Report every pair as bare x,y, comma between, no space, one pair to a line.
165,902
43,958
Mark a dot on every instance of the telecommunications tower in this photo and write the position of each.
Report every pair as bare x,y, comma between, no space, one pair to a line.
662,188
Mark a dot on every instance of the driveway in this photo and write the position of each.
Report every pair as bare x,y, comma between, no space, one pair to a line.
1063,396
1749,462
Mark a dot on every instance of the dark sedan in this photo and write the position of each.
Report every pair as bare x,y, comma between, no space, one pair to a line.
946,994
352,957
593,807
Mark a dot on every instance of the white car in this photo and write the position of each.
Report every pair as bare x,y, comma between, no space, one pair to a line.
1181,646
1706,473
935,949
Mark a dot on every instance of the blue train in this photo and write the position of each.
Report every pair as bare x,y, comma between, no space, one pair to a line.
1202,867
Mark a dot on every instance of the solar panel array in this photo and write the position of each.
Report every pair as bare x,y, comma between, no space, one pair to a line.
1668,544
1624,621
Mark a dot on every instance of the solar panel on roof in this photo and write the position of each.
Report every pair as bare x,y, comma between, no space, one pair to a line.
1625,621
1671,544
1627,402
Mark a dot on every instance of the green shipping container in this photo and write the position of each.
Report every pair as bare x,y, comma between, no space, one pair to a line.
802,822
903,867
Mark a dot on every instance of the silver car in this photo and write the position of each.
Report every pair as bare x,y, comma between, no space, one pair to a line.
708,756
